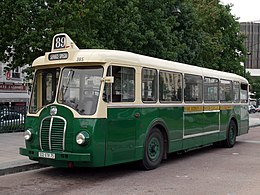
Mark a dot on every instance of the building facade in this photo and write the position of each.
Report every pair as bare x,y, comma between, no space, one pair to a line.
252,32
13,89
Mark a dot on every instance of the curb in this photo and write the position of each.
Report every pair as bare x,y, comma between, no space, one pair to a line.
252,126
21,168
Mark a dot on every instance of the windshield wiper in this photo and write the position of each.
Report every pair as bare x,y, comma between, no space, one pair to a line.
71,72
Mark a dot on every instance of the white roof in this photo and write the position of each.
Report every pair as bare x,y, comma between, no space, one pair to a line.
114,56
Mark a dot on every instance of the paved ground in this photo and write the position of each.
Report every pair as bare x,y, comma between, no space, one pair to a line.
11,161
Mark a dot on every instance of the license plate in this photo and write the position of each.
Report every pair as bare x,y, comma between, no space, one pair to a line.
46,155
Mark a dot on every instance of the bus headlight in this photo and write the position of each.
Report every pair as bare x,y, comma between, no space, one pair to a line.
82,138
27,134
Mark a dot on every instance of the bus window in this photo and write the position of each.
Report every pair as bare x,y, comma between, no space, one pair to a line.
149,85
123,88
211,89
44,89
80,88
236,91
170,86
193,88
225,91
244,93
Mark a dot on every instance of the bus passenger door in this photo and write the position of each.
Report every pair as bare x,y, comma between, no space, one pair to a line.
121,121
121,131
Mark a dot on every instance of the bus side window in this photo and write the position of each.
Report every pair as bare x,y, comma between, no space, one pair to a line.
193,88
211,88
244,93
149,85
225,90
123,88
236,91
170,86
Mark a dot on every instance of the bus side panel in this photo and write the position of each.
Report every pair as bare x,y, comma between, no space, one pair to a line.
244,120
241,115
146,118
211,125
194,123
225,115
121,134
173,118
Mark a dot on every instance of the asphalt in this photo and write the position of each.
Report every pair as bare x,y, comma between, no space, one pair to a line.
12,162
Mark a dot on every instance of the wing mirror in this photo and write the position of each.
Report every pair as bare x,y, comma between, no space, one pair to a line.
108,79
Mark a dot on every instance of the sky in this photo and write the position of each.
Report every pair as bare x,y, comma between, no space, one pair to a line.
246,10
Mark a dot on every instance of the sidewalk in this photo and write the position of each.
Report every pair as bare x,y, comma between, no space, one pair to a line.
254,122
11,161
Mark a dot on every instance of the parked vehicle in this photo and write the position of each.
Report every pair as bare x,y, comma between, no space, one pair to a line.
11,118
251,109
257,109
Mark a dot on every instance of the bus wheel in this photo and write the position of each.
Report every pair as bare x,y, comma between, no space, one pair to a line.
153,151
231,135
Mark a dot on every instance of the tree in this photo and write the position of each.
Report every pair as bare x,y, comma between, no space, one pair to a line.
145,27
29,25
221,45
204,34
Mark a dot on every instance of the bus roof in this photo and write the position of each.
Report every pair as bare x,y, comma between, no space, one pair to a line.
70,54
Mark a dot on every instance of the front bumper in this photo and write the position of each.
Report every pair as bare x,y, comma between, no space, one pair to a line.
33,154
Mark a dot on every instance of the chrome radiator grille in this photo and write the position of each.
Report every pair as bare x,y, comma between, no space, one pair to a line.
52,133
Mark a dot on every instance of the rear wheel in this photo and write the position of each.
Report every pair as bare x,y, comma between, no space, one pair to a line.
153,151
231,135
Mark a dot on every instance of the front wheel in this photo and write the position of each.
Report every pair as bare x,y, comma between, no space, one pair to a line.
153,150
231,135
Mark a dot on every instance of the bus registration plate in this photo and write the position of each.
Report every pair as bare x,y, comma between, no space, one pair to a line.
46,155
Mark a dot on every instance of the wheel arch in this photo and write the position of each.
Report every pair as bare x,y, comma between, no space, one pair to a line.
233,118
160,124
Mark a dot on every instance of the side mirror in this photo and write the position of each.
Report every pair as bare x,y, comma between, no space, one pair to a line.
108,79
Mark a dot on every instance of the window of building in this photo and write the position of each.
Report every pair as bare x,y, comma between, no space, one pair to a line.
170,87
225,91
236,91
16,73
192,88
149,85
211,89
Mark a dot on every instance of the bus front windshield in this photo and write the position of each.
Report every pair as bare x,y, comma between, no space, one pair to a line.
44,88
80,88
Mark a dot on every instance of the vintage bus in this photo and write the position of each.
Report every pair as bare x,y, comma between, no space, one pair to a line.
93,107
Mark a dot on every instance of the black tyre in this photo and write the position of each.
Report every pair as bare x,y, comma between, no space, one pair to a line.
231,135
153,150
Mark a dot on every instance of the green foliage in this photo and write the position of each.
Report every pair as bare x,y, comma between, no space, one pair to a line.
29,25
203,34
221,45
255,87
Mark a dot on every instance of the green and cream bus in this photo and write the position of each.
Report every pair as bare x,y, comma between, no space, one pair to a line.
92,108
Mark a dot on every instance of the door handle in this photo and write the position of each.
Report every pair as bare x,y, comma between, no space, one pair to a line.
137,115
